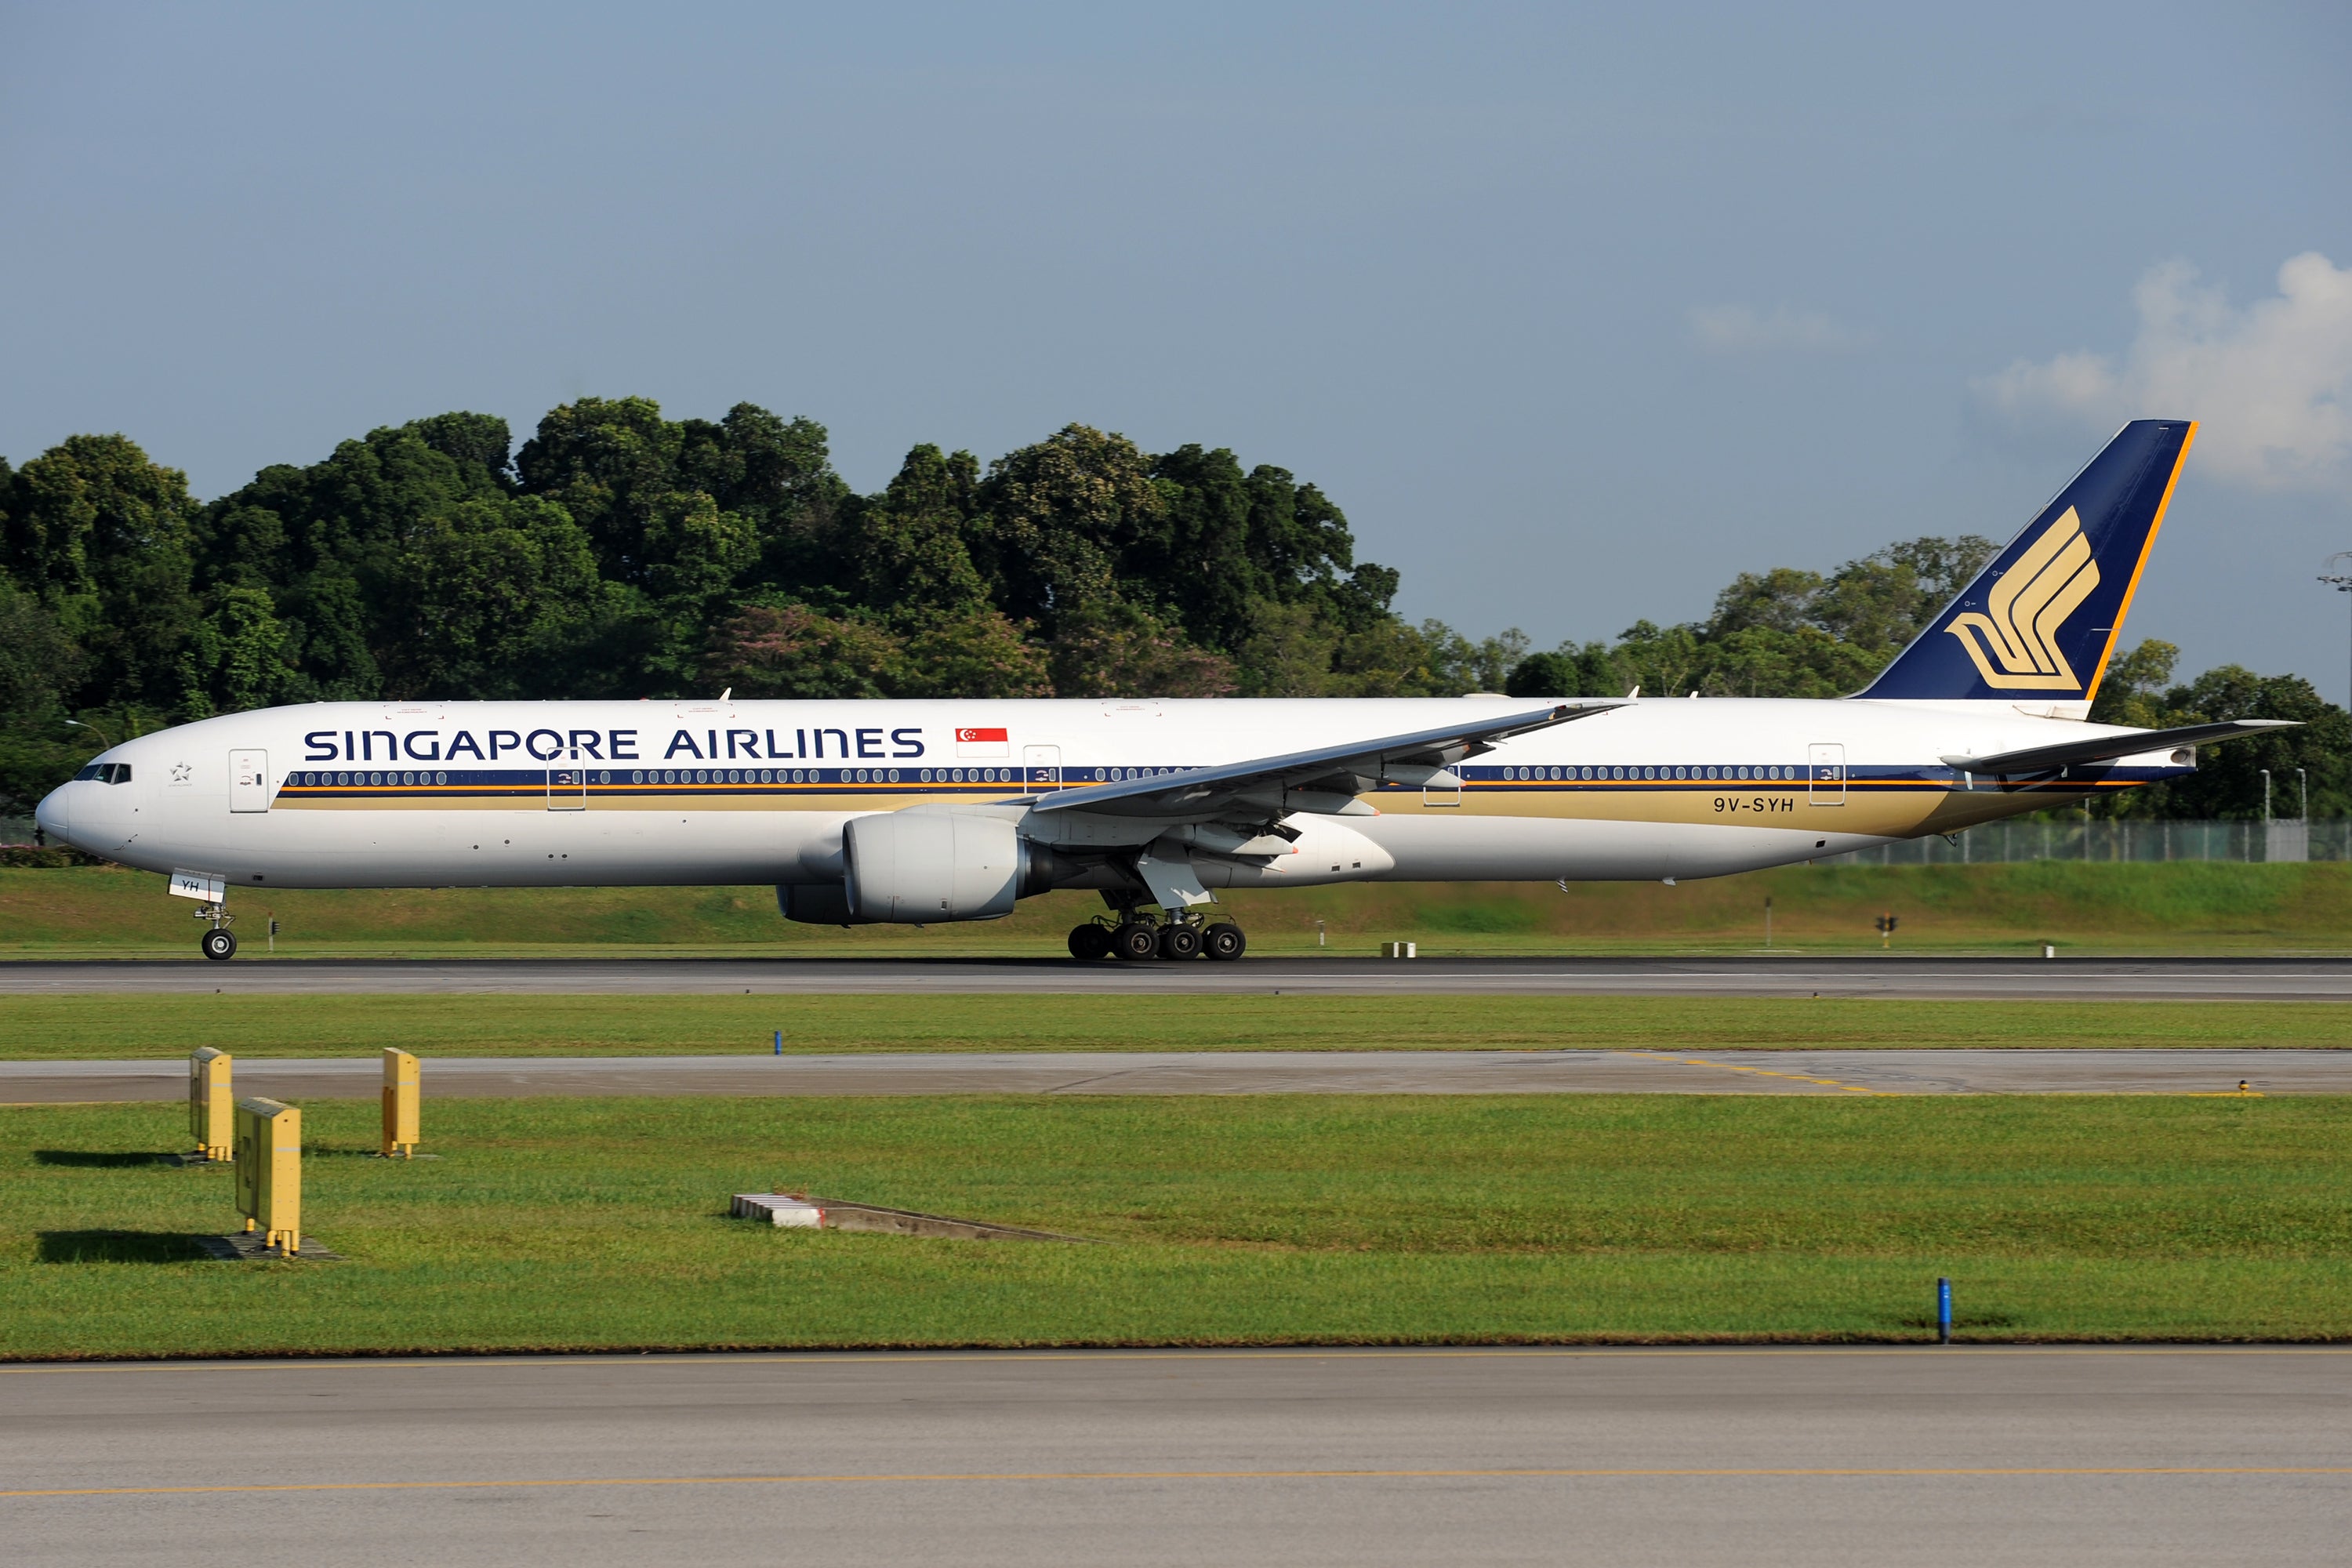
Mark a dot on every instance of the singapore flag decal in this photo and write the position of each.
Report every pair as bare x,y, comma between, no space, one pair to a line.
983,742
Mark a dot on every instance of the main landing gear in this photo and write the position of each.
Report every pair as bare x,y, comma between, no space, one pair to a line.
1137,935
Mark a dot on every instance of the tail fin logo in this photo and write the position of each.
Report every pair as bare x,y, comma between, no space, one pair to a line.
2014,639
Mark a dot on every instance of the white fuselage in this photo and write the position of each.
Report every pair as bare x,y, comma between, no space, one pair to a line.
540,793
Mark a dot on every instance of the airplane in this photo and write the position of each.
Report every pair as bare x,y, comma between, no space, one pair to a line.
931,812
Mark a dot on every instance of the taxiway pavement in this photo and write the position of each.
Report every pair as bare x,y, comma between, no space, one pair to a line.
1888,975
1823,1072
1859,1455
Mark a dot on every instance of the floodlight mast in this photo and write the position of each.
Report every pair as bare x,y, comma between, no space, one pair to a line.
2339,576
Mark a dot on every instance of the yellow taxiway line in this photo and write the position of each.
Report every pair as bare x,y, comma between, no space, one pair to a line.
1764,1072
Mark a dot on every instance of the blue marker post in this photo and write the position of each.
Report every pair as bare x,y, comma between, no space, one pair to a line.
780,1042
1943,1311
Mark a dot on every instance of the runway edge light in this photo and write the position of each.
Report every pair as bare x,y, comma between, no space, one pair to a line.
212,1108
401,1091
269,1171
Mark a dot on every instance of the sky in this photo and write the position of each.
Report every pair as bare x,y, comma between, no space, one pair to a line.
1576,312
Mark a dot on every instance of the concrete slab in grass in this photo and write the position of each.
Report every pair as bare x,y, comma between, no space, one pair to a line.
800,1211
252,1246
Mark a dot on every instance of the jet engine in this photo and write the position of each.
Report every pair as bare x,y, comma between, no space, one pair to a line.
915,866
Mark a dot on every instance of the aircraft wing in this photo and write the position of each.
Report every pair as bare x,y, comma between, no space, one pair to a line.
2105,748
1324,780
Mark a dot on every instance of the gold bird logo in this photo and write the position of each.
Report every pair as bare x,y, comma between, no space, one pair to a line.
2018,627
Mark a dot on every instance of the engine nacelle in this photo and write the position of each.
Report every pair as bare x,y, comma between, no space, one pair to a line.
918,866
817,904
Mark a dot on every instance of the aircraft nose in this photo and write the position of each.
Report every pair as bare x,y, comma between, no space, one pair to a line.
52,817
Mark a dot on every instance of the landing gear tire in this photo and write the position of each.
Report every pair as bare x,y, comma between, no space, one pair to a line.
1224,941
1089,941
1180,941
219,945
1135,940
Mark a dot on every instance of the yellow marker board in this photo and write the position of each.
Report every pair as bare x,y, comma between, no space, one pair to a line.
401,1092
269,1171
211,1110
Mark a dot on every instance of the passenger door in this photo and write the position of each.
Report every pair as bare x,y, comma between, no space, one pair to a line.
1825,773
248,781
1041,766
567,789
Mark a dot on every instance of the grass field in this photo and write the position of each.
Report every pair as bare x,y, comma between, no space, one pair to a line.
2188,907
94,1026
599,1223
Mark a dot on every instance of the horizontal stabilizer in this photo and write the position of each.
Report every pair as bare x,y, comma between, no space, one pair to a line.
2106,748
1332,771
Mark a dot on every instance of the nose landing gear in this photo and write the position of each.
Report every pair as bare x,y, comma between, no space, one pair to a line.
219,944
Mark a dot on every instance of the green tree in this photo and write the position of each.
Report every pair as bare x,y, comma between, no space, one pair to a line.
907,551
1289,651
790,651
1392,658
975,651
333,543
1785,632
1057,518
1116,650
40,664
612,465
2133,689
1193,558
2227,783
236,660
102,537
492,591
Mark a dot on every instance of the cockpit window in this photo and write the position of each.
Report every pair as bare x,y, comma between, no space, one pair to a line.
90,772
118,773
105,772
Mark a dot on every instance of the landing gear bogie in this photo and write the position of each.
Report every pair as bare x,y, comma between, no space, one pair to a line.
1136,936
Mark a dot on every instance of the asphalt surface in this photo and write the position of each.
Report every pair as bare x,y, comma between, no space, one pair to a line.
1839,1072
1890,975
1956,1456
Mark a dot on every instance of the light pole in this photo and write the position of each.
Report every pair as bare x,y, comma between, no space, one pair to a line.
104,743
2302,790
2338,576
2266,797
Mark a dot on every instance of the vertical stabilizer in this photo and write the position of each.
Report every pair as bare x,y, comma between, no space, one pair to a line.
2039,622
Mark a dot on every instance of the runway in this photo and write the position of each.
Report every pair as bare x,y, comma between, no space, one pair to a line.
1703,1457
1850,1073
1890,977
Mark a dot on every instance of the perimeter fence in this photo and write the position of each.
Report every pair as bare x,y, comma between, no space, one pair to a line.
2119,840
